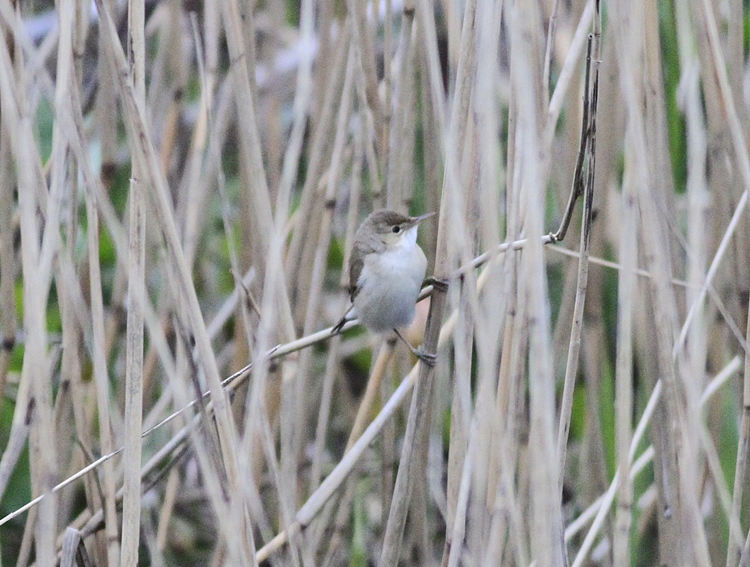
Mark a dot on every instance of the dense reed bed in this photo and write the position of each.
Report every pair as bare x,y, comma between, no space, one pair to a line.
180,184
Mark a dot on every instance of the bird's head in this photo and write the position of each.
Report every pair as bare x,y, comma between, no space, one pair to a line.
393,229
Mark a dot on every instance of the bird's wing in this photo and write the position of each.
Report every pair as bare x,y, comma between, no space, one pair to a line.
356,262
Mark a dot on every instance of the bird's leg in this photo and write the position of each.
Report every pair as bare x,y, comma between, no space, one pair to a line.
344,320
426,357
437,283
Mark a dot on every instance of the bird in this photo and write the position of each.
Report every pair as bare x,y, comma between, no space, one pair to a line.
386,271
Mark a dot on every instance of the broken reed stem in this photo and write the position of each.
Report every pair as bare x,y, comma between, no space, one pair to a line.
587,152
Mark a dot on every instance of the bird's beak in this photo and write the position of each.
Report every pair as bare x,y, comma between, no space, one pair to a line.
414,221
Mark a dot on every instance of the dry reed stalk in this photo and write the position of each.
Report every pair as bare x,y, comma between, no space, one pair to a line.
106,112
460,412
601,507
545,514
587,151
385,355
624,366
260,211
388,82
102,381
71,385
318,154
434,73
316,501
8,262
510,374
342,509
430,157
705,22
317,274
459,524
74,552
24,552
276,302
676,440
374,166
734,57
8,318
89,523
698,222
146,155
468,318
399,158
362,40
207,128
419,414
493,494
249,36
36,263
733,548
131,512
168,84
324,413
551,28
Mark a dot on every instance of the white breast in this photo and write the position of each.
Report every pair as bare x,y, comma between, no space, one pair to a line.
389,285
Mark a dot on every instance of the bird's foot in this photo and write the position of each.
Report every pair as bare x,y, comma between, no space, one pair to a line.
440,284
340,325
428,358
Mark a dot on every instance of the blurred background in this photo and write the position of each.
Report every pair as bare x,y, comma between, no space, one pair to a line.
180,184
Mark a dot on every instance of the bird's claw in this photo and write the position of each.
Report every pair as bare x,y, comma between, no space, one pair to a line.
427,357
440,284
340,325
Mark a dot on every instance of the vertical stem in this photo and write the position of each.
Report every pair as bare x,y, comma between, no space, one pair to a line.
136,292
574,347
419,412
102,381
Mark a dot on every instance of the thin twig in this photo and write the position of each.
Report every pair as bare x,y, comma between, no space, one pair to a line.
588,152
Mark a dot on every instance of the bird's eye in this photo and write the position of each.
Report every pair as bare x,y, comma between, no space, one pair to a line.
396,229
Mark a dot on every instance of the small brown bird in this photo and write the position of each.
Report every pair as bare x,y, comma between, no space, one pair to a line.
386,271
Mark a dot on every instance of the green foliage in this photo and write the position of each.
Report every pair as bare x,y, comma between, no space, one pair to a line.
671,77
606,413
358,550
45,120
336,254
17,492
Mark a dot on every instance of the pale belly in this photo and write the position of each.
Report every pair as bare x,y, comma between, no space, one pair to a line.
389,287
